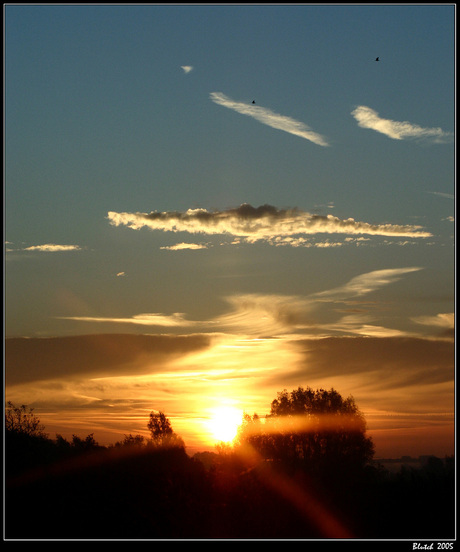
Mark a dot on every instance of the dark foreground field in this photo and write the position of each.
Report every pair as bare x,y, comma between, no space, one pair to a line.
146,493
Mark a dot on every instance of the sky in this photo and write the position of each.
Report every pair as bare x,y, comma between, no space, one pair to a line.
207,204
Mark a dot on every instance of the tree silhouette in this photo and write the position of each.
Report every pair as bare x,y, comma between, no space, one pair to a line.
319,429
26,443
162,434
86,444
131,441
21,420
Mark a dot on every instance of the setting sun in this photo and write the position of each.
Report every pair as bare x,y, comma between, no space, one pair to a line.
224,422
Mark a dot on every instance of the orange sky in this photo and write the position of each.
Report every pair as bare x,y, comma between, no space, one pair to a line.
108,384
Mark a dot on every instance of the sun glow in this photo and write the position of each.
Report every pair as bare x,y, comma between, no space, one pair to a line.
224,422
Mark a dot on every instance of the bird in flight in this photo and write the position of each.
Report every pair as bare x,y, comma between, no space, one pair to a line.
377,59
253,102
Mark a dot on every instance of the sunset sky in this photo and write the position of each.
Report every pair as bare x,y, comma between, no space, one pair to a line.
208,204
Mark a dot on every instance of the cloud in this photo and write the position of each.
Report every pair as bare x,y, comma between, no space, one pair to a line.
33,359
302,242
385,363
258,314
364,284
181,246
186,68
443,320
441,194
52,248
361,325
268,117
146,319
259,223
276,315
368,118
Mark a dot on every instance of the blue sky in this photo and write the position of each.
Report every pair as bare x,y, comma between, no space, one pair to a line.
114,112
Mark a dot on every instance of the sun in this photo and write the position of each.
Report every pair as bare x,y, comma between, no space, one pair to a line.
224,422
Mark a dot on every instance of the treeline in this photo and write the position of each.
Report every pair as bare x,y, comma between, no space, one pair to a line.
150,488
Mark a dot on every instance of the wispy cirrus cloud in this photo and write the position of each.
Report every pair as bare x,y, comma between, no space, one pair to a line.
274,315
369,118
266,223
364,284
147,319
442,320
268,117
261,314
